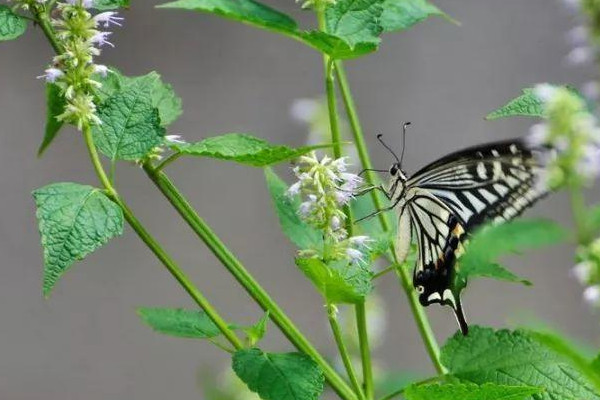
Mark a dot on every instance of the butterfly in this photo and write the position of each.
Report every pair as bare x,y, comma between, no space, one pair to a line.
440,205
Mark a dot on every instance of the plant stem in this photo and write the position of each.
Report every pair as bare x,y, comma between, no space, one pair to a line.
154,246
365,351
359,309
403,274
168,161
235,267
337,335
158,251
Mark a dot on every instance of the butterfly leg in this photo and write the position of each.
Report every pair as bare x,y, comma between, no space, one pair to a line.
369,189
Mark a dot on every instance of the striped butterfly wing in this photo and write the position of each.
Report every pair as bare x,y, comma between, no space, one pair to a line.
496,181
438,234
448,198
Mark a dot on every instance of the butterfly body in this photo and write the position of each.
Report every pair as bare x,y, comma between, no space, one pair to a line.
440,205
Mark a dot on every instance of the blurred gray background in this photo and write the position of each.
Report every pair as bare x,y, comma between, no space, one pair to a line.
86,342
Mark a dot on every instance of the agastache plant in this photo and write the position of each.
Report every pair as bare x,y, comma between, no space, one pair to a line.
126,120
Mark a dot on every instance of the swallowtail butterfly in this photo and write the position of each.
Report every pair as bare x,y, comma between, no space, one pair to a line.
443,202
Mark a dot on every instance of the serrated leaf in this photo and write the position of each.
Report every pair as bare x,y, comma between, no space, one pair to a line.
55,105
563,347
469,391
527,104
355,21
130,126
103,5
243,148
74,220
493,241
299,233
279,376
338,282
151,86
514,358
402,14
179,322
262,16
257,331
11,25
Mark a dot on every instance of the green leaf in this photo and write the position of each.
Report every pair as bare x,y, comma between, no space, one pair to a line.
355,21
469,391
402,14
335,47
527,104
179,322
110,4
596,364
162,95
130,126
514,358
257,331
262,16
151,86
11,25
279,376
55,105
593,220
338,282
74,220
243,148
563,347
299,233
493,241
245,11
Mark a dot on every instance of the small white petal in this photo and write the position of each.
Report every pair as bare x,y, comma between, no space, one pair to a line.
355,255
294,189
360,241
582,272
591,90
538,135
51,74
545,91
336,223
580,55
342,197
305,208
591,295
577,36
107,18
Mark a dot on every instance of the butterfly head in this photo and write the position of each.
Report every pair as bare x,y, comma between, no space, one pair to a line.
396,172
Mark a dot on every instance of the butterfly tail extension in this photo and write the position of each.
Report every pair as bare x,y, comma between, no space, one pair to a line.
460,317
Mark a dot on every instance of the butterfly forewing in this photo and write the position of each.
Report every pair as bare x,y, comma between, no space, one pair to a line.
490,182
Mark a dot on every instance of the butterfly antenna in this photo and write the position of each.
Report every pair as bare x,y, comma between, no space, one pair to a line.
406,125
379,137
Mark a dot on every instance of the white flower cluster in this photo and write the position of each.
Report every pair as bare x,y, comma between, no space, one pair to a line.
73,70
326,187
587,272
584,39
573,132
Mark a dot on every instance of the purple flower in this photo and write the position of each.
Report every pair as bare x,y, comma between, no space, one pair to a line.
100,39
51,74
107,18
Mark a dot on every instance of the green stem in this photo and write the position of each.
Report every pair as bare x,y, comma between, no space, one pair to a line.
360,312
158,251
44,21
365,351
168,161
403,274
235,267
337,335
154,246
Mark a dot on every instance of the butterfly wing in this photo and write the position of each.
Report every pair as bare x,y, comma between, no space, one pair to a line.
496,181
438,234
453,195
